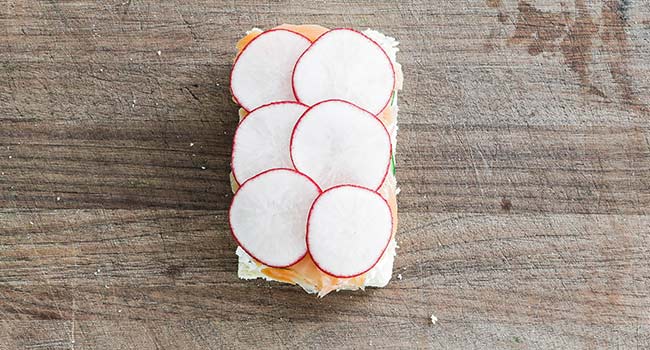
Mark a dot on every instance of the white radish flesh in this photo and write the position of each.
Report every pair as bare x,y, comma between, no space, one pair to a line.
261,141
262,71
336,142
348,230
345,64
268,216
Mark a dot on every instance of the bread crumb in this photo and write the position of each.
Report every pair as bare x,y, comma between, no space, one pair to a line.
202,168
399,276
434,319
191,144
10,157
159,52
58,199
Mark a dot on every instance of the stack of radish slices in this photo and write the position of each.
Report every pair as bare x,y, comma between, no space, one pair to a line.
311,154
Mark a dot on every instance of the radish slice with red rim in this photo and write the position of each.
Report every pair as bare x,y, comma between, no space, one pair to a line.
261,140
348,230
268,216
345,64
262,72
336,142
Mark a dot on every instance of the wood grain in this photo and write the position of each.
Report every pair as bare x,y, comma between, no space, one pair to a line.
523,161
497,277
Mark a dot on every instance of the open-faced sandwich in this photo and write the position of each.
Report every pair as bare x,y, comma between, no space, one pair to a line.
313,159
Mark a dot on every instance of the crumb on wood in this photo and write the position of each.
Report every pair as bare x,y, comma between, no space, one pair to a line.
434,319
58,199
159,52
399,276
203,168
191,144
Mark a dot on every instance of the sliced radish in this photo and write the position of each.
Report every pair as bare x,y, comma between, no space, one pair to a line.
268,216
348,230
262,72
336,142
261,141
345,64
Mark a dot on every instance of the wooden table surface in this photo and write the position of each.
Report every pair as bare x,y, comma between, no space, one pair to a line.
523,159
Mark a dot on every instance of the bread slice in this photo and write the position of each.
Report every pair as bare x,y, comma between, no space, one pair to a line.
304,273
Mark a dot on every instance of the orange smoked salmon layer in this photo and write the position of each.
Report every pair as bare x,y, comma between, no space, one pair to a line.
305,271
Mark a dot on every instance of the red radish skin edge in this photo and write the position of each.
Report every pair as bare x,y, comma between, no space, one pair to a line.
234,139
390,153
382,251
293,74
232,233
246,46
